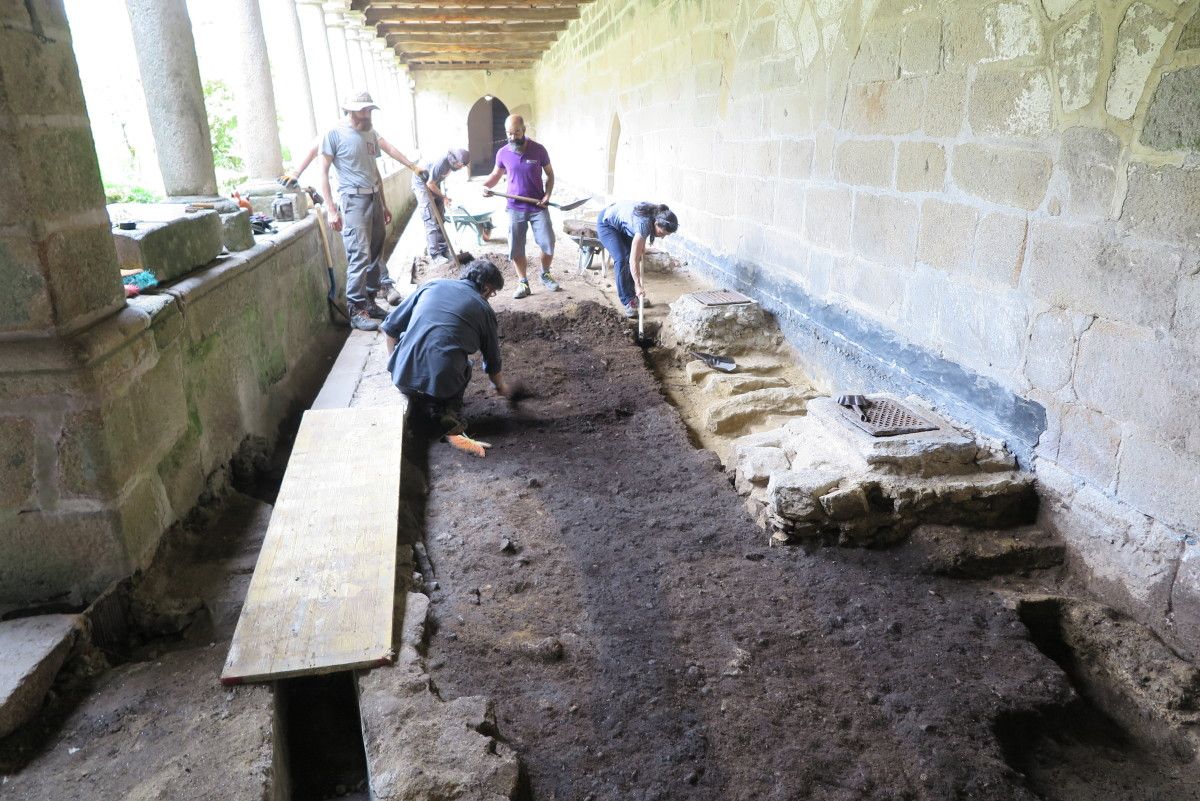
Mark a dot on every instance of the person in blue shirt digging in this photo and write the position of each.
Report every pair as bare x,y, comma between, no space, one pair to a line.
430,337
624,229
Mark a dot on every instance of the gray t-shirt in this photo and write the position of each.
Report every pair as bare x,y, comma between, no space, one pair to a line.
438,327
353,153
438,170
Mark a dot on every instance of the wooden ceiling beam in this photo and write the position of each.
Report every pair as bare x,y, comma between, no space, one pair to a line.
512,27
517,5
480,52
440,39
494,16
492,65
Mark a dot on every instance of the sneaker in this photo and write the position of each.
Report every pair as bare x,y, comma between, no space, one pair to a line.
522,289
394,297
360,320
631,310
549,282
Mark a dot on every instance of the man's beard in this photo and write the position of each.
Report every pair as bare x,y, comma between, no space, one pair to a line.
517,144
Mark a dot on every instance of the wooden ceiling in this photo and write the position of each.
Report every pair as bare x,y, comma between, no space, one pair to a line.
469,34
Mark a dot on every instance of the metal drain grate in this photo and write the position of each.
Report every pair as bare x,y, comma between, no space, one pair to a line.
887,418
721,297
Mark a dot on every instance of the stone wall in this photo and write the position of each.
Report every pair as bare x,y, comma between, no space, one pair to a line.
110,437
444,99
992,203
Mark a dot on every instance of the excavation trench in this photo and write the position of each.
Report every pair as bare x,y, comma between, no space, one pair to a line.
597,578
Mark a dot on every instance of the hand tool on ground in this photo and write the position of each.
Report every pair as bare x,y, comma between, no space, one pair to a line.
641,339
517,392
716,362
331,295
460,258
563,206
856,402
472,446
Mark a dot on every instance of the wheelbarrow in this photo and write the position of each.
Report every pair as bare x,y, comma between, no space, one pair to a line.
481,224
584,234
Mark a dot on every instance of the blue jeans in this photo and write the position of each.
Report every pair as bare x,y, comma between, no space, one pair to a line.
619,245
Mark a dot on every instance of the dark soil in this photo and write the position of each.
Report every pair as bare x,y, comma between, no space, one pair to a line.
598,579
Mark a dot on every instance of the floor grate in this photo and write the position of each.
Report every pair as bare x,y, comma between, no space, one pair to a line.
887,418
720,297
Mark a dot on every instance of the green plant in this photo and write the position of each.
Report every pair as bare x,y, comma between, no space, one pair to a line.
123,193
222,127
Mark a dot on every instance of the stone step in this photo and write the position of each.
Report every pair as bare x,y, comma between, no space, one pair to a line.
34,650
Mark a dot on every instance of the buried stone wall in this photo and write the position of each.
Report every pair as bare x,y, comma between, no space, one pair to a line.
993,204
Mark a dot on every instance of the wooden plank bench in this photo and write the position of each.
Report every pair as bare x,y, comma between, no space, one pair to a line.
323,591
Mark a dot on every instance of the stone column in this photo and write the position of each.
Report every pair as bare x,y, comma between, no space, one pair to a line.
354,57
166,54
293,90
335,25
258,126
320,65
58,268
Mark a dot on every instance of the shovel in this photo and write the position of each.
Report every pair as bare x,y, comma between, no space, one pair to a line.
716,362
563,206
641,338
460,259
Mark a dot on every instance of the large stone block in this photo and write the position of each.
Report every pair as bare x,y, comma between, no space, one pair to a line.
1088,446
81,266
44,555
61,175
1002,32
878,57
829,210
57,91
1003,175
1000,248
1077,51
1163,203
1079,267
236,233
34,649
1160,481
920,167
1089,157
921,47
866,163
1132,376
947,237
1056,8
28,307
1190,38
1050,356
168,241
1011,103
1140,38
1173,122
18,462
885,229
947,97
982,329
886,107
795,159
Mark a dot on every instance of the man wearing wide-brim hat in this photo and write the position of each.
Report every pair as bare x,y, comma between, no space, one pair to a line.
360,212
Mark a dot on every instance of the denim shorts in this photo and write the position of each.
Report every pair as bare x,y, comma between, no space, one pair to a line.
543,232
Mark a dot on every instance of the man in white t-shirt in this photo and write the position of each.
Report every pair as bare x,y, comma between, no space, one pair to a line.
351,149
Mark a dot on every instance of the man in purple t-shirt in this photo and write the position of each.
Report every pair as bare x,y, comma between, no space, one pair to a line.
523,161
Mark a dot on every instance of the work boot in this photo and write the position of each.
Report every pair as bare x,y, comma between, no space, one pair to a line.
522,289
549,282
374,312
393,297
360,319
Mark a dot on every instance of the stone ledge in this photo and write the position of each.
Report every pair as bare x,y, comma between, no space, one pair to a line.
34,649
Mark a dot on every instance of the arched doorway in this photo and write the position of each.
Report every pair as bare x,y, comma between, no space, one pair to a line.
485,133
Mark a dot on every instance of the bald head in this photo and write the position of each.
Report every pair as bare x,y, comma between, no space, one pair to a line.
514,128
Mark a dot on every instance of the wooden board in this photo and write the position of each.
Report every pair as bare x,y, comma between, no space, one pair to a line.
323,590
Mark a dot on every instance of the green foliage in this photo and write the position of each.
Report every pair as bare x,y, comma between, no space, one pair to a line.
222,127
123,193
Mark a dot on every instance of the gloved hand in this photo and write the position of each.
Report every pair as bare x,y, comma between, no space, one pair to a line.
288,181
423,175
468,445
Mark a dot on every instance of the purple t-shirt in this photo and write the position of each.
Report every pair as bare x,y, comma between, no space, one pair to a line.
524,172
